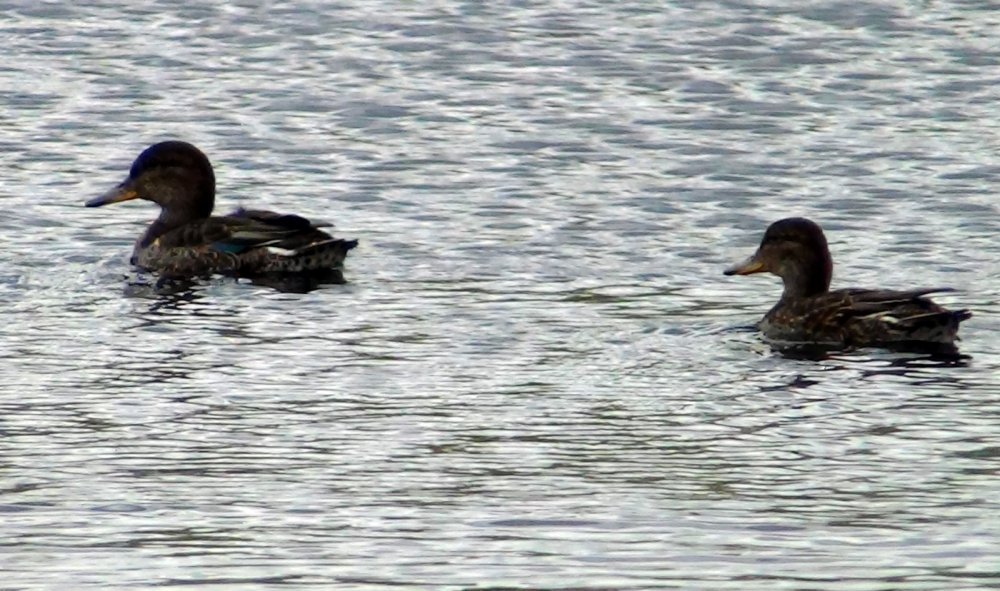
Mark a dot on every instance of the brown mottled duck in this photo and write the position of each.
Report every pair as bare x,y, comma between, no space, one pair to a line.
795,249
186,240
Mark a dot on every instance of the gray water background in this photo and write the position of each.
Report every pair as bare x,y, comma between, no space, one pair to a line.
537,376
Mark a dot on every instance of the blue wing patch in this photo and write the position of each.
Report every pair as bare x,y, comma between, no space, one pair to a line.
229,247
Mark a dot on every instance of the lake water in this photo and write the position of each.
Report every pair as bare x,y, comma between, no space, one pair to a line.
536,376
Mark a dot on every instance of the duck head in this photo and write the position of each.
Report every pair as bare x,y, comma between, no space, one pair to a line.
794,249
175,175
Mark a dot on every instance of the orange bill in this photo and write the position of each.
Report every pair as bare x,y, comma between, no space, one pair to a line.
747,267
123,192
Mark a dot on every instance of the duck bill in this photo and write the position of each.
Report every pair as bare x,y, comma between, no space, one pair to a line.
748,267
123,192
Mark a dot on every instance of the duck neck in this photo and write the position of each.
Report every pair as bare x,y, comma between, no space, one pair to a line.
154,231
805,278
170,219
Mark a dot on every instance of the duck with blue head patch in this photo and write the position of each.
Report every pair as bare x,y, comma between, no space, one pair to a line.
796,250
186,240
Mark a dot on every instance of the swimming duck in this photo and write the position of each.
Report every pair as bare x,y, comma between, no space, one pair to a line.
795,249
186,240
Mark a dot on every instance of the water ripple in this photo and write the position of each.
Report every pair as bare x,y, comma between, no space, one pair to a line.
536,375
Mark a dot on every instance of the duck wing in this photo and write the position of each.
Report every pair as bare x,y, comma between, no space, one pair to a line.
237,234
279,219
875,315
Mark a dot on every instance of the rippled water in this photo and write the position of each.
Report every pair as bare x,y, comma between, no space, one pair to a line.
537,376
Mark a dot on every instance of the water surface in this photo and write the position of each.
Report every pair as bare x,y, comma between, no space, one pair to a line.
536,376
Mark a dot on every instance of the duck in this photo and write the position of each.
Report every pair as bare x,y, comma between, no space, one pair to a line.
795,249
187,241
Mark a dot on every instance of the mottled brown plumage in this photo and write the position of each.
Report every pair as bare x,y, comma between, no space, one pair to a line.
187,241
796,250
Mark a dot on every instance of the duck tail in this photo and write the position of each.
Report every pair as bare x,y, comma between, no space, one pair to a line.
317,256
940,326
